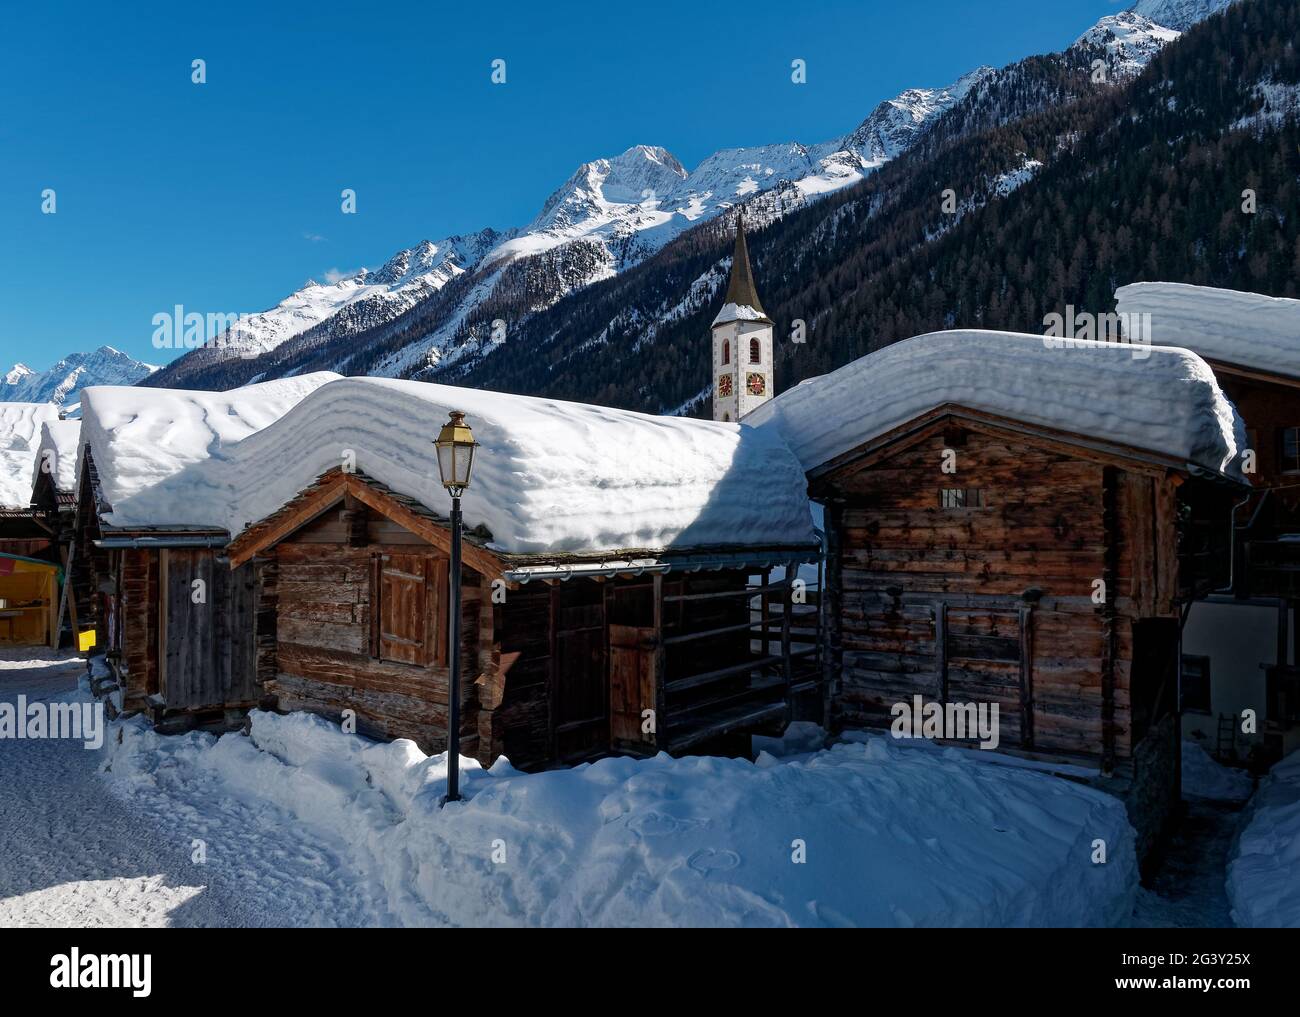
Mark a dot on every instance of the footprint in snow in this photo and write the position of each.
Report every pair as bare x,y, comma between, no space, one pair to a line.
707,861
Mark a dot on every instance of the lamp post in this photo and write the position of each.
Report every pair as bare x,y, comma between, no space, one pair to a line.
455,445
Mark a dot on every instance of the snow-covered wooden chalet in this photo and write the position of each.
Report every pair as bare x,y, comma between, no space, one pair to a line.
1015,524
629,581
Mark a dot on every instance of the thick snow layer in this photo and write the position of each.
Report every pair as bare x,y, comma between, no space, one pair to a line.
738,312
57,453
861,834
548,476
1248,329
1264,875
20,436
1206,777
140,437
1158,399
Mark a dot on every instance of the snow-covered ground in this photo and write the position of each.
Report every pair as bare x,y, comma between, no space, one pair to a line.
301,824
1206,777
74,854
1264,875
860,834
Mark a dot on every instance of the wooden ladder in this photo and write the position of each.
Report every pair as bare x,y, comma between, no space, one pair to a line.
1227,734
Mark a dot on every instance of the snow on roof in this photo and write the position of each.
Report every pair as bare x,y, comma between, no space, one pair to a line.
549,476
57,454
141,437
20,433
1153,398
738,312
1247,329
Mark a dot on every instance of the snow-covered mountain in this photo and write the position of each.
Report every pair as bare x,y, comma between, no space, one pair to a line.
611,214
62,382
895,123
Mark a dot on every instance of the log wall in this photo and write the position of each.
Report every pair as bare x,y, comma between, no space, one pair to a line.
322,655
995,603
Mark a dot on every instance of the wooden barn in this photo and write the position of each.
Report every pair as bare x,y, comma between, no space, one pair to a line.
176,625
1018,525
1239,642
625,584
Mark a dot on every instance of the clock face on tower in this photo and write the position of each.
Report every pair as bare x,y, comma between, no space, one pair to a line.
755,383
724,385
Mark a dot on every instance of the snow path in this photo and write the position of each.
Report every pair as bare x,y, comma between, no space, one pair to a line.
74,854
1189,890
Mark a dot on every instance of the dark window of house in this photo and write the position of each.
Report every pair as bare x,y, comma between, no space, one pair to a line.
726,351
755,353
961,497
1196,684
405,600
1290,450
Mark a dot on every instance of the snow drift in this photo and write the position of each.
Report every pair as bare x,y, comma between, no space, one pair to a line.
548,476
20,436
1249,329
140,437
57,452
1264,874
1159,399
861,834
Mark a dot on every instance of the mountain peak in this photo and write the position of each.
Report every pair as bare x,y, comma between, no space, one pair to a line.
1180,15
62,382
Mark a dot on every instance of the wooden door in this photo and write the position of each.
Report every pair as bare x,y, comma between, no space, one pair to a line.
984,659
579,691
631,683
206,627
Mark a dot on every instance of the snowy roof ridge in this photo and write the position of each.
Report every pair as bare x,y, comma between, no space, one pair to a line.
1231,326
20,435
549,476
142,437
58,447
1158,399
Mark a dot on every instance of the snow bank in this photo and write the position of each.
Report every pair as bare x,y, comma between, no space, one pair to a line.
1206,777
548,476
57,453
142,436
1248,329
1159,399
886,836
20,434
1264,874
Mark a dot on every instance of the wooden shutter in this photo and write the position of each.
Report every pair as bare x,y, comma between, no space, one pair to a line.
405,599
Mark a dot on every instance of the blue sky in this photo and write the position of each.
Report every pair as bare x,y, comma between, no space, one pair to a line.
225,196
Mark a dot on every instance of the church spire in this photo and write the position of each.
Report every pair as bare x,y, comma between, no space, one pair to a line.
742,298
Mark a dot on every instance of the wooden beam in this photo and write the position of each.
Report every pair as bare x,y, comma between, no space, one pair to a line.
296,514
482,561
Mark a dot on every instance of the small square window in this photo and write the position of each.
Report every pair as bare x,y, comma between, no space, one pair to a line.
961,497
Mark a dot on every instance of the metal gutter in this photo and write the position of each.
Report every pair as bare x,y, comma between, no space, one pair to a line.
656,566
161,543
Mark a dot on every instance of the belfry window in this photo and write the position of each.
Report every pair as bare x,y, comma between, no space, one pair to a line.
755,352
726,351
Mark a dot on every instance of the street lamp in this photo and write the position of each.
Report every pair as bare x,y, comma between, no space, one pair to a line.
455,445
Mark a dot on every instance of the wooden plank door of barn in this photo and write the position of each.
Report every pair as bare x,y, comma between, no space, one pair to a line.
984,655
206,657
632,655
579,708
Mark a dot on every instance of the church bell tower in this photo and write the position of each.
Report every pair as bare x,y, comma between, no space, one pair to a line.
742,342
